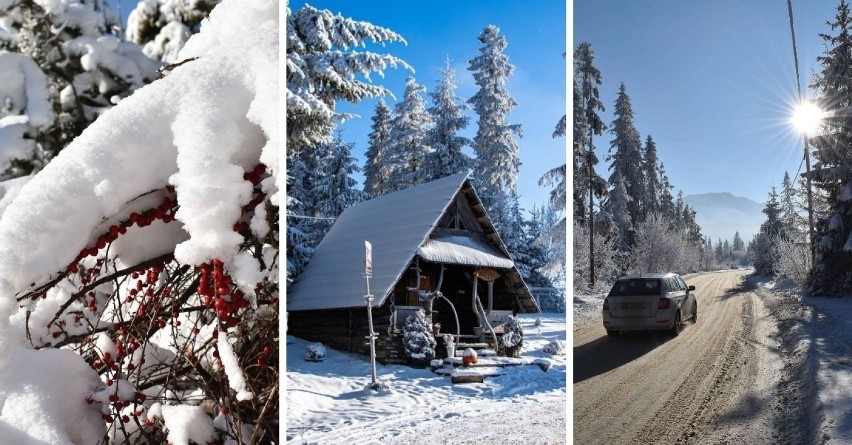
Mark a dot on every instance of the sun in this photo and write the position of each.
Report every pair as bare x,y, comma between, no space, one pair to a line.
807,117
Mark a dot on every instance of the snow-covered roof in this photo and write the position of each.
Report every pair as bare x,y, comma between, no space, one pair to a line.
465,251
398,226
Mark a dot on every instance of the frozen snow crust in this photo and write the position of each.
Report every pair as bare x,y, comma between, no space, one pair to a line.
197,131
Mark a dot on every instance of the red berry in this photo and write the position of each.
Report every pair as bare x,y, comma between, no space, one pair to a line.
267,350
134,217
261,361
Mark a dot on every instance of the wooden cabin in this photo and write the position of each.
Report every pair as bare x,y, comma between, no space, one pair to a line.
433,248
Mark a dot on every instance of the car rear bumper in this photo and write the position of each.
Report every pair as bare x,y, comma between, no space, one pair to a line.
637,323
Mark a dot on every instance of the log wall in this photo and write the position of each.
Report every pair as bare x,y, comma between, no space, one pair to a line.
347,330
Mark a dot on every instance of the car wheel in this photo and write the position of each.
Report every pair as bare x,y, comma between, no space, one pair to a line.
695,313
677,326
612,332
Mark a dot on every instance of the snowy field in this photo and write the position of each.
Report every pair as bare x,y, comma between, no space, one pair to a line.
327,403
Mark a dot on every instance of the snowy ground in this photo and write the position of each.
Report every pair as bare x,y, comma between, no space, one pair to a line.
816,335
327,404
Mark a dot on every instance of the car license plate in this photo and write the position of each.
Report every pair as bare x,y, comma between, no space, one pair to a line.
633,305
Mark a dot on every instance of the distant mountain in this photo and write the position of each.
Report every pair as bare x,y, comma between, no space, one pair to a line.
720,215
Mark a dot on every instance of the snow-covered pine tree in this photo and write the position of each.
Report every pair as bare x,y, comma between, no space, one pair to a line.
377,170
300,247
495,169
409,147
552,236
832,173
617,205
587,123
447,113
418,338
334,189
548,228
162,27
650,170
667,204
738,244
626,155
762,251
322,69
88,68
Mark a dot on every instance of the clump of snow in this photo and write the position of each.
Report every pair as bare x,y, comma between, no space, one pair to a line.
236,379
555,347
316,352
184,423
43,395
24,107
469,356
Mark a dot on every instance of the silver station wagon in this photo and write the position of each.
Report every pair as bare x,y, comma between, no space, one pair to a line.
649,302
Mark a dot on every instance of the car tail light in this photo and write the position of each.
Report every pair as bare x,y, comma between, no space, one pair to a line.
606,304
664,303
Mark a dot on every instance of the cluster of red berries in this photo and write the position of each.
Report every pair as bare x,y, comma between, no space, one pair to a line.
261,359
219,293
165,212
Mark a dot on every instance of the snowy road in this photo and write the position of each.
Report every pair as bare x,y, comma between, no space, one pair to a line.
715,383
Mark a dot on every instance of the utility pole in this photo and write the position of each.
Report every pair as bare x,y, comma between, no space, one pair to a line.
805,136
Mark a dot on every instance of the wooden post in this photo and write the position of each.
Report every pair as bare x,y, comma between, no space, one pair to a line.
368,272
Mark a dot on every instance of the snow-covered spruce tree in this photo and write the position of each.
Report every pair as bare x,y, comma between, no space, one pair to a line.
377,170
88,69
552,236
548,229
334,189
162,27
625,154
418,338
139,268
667,204
587,124
409,147
762,251
832,174
650,172
495,169
322,68
617,205
447,113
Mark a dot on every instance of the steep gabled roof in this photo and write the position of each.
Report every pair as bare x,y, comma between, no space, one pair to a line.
397,225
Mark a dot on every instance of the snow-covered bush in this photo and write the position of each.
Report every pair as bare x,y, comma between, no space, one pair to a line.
555,347
794,261
316,352
418,338
513,336
147,250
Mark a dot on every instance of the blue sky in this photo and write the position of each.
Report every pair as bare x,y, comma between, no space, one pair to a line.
711,81
435,30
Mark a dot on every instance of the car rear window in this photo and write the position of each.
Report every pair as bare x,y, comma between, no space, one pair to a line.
636,286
